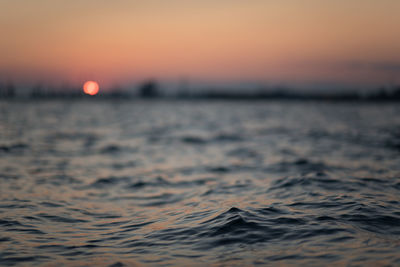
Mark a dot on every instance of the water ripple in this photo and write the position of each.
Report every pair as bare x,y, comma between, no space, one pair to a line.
194,183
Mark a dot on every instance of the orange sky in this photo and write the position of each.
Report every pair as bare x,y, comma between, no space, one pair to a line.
115,42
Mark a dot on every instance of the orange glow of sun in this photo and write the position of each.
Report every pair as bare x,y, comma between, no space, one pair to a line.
91,88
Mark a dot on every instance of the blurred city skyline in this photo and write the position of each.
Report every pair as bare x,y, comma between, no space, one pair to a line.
304,44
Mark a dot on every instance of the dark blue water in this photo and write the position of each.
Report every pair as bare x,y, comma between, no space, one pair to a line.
196,183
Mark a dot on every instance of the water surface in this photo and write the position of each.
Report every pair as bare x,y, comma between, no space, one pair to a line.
196,183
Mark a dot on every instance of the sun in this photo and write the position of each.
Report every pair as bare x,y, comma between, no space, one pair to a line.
91,88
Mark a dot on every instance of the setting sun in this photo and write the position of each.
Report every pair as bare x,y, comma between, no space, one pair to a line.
91,88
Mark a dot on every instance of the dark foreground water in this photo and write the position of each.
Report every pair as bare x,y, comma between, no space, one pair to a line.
193,183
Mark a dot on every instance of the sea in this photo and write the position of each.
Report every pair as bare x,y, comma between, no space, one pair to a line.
103,182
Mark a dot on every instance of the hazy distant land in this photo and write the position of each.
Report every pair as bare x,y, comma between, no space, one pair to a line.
152,90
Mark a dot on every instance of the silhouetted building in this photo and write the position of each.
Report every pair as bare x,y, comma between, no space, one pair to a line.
396,93
37,91
7,91
149,89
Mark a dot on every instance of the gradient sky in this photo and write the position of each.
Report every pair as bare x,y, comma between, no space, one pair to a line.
117,42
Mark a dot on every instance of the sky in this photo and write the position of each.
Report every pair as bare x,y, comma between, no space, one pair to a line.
303,42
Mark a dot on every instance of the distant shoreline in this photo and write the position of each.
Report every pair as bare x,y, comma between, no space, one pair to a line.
337,99
151,91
